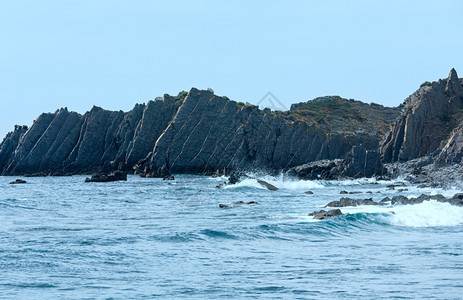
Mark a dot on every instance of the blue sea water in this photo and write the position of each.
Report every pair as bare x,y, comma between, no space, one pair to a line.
61,238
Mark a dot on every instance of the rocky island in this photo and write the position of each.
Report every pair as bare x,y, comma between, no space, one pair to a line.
199,132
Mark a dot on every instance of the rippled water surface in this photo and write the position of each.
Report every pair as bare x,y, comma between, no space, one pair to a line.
61,238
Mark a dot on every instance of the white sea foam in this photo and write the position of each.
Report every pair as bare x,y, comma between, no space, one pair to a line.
426,214
281,182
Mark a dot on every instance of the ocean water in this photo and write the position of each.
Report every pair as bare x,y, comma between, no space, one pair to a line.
61,238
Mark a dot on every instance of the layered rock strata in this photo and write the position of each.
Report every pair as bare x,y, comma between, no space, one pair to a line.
195,132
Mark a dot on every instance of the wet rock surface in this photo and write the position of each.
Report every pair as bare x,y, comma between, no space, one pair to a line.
323,215
343,202
267,185
18,181
116,176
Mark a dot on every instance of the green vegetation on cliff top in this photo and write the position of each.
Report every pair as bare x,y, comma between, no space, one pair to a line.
338,115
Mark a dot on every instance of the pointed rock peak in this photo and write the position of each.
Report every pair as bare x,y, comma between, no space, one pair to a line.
453,75
96,108
453,83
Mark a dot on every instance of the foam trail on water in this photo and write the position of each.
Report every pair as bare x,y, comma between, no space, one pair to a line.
426,214
289,183
281,182
248,182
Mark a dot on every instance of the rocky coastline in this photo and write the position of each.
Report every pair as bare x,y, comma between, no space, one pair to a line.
198,132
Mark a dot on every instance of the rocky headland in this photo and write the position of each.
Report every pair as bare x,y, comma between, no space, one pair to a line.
202,133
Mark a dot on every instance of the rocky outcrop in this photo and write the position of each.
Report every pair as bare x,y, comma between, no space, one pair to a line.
343,202
10,143
198,132
428,118
18,181
323,215
346,116
359,162
66,142
211,133
115,176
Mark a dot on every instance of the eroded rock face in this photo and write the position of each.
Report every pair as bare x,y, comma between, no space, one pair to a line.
429,116
195,132
211,133
66,142
359,162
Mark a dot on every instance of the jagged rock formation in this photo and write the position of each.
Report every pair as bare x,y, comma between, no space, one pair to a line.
195,132
69,143
429,116
212,133
359,162
427,136
10,143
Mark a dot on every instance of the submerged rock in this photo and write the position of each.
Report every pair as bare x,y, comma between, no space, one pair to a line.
343,202
116,176
237,203
322,214
18,181
168,177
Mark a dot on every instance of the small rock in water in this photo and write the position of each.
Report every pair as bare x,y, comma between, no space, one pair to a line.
355,193
402,190
322,214
343,192
351,202
242,202
168,177
237,203
385,200
18,181
309,193
234,178
116,176
267,185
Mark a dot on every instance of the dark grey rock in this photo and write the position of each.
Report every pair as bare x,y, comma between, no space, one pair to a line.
18,181
116,176
343,202
323,215
267,185
210,133
427,120
64,143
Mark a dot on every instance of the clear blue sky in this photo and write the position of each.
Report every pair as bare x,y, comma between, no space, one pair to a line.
113,54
